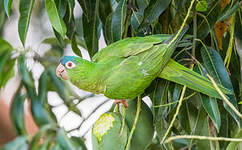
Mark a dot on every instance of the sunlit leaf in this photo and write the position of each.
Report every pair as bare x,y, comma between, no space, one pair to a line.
202,6
25,10
54,17
64,141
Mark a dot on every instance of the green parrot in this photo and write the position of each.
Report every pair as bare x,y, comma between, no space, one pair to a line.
124,69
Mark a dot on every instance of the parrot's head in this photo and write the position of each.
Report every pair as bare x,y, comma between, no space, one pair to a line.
67,66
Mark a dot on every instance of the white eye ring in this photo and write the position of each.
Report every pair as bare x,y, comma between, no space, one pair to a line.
70,65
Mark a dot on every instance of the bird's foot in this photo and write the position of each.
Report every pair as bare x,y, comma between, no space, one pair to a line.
123,102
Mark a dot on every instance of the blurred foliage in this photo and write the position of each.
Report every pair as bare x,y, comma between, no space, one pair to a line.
215,28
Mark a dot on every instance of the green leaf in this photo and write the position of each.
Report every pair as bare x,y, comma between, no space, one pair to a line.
54,17
202,6
206,25
153,11
5,46
54,41
108,32
211,107
79,142
230,11
234,145
159,97
19,143
39,106
25,10
4,58
105,9
17,113
2,15
44,131
118,20
90,26
64,141
202,128
7,6
215,67
137,16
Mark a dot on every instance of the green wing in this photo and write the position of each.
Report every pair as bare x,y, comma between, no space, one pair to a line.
176,72
128,47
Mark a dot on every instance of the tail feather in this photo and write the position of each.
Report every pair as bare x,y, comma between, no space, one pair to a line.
177,73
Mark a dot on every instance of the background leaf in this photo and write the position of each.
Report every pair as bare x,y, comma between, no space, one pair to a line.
7,6
25,9
215,67
118,20
54,17
90,22
153,10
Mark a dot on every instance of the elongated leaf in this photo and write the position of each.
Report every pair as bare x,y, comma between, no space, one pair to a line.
78,142
20,143
229,12
202,128
25,10
118,20
211,107
17,113
54,17
137,16
64,141
41,114
85,5
108,34
204,26
2,15
234,145
90,25
7,6
215,67
153,11
159,97
105,9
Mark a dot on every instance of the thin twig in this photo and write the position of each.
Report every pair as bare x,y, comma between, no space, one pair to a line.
175,115
123,120
168,104
224,97
183,24
203,138
135,122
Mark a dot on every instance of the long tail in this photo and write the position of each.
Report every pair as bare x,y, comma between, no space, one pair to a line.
177,73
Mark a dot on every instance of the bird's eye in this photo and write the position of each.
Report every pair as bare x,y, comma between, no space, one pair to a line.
70,65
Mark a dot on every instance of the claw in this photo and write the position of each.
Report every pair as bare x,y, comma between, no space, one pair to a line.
123,102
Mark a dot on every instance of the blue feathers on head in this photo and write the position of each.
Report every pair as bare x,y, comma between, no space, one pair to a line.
65,59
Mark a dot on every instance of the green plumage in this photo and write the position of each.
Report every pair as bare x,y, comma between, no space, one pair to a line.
124,69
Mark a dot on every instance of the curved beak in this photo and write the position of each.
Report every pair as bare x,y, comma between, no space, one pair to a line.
61,72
